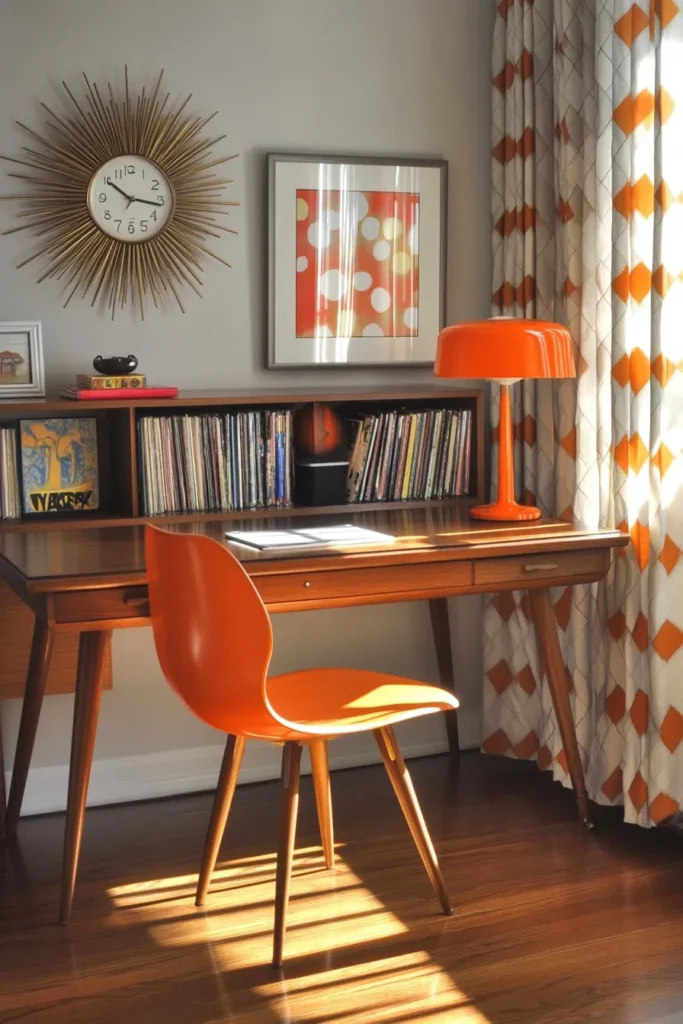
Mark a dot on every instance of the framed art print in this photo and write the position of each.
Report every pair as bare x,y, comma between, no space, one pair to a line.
21,361
357,260
59,465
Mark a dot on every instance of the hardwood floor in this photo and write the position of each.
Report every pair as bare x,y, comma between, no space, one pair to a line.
551,923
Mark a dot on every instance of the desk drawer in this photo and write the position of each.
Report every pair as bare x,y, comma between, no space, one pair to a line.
109,604
524,571
348,586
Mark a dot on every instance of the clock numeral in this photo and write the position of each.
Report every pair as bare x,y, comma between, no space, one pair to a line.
130,169
160,200
118,225
153,215
107,214
102,197
143,225
155,184
131,227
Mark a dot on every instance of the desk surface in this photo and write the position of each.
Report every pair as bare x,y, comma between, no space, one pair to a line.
71,559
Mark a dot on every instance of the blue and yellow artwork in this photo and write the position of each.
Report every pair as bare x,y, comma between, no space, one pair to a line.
59,465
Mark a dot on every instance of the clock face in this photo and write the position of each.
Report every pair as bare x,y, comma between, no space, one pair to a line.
129,198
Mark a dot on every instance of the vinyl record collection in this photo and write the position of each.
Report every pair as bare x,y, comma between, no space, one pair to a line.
215,462
402,456
10,498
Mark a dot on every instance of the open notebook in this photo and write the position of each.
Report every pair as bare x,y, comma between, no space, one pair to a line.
333,536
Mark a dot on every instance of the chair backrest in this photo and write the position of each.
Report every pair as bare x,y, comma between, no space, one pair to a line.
211,630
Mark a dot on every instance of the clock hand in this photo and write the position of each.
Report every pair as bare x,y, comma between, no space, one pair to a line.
131,199
150,202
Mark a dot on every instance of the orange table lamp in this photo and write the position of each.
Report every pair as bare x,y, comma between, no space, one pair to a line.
505,350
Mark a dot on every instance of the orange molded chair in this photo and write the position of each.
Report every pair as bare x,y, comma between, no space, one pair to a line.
214,641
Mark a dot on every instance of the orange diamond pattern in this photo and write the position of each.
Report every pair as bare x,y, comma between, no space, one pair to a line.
496,743
634,111
526,680
671,729
545,758
640,634
505,604
640,538
631,24
662,459
615,705
639,342
527,747
568,442
640,712
663,807
631,453
663,369
500,676
668,641
562,761
638,791
669,555
613,785
640,197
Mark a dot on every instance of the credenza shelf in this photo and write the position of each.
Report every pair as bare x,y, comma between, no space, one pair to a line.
117,423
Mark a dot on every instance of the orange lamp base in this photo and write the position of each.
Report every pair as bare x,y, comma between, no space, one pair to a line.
505,511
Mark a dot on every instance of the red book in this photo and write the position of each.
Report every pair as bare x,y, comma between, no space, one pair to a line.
90,394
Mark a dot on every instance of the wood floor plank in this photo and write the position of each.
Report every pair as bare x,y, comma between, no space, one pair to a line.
551,924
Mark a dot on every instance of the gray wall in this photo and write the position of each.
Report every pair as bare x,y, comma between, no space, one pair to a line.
356,76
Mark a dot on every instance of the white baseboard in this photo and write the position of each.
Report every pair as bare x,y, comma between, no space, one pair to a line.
170,773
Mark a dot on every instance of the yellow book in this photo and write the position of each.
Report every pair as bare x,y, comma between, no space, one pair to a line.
102,383
409,457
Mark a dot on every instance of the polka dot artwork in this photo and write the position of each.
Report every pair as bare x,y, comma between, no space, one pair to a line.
357,264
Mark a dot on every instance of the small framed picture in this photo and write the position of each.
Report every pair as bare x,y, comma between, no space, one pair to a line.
21,361
59,465
357,260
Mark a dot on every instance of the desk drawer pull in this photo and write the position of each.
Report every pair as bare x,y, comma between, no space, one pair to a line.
307,583
541,567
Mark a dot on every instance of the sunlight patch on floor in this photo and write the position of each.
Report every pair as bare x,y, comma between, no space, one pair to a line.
332,915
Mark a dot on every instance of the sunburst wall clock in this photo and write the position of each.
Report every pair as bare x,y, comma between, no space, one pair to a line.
124,194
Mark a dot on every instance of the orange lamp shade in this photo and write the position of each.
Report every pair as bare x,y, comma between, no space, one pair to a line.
505,350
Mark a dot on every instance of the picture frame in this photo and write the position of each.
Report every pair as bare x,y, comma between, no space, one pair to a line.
59,465
22,374
356,260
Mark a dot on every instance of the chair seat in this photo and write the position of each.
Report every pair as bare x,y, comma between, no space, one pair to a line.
332,701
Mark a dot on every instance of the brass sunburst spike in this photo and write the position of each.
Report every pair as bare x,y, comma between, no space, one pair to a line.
121,195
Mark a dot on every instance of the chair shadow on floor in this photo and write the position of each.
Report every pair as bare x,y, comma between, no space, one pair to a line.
366,941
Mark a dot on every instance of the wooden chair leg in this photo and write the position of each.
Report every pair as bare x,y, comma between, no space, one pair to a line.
222,801
441,632
403,787
556,672
291,768
323,797
38,668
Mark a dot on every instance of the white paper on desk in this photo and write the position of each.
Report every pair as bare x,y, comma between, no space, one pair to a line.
346,534
328,536
265,539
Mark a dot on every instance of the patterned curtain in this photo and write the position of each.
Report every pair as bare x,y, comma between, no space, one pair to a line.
588,230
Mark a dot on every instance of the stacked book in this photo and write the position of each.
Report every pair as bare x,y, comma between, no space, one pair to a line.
215,462
410,455
125,386
10,499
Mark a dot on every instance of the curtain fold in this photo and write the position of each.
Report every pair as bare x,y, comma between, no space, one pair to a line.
588,230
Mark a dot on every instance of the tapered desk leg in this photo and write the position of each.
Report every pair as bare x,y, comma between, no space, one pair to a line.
2,789
38,668
89,679
441,631
556,671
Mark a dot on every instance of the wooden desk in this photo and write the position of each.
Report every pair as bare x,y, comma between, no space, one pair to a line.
93,581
